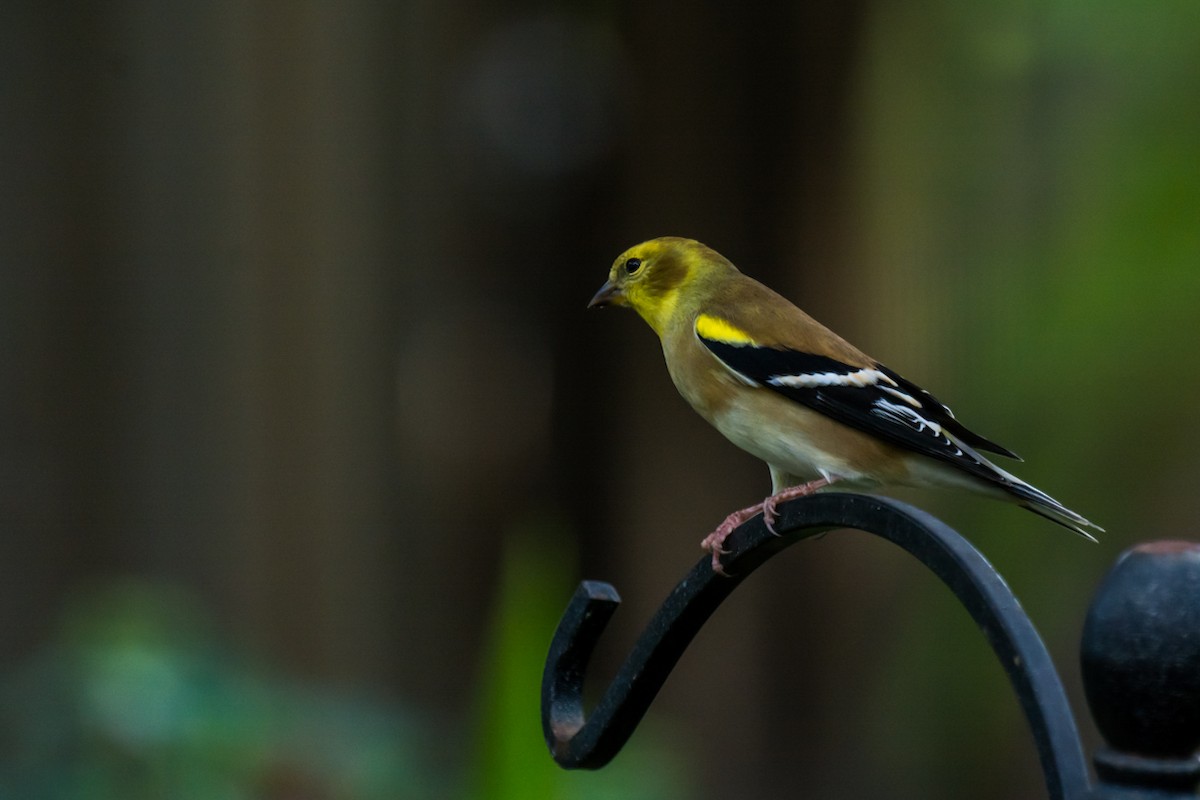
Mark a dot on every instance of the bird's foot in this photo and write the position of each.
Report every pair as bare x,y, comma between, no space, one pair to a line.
769,512
714,541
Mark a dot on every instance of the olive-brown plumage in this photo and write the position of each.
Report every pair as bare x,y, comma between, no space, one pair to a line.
788,390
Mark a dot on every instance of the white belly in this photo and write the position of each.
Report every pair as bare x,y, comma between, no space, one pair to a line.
783,444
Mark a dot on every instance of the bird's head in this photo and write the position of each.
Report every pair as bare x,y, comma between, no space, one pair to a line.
652,277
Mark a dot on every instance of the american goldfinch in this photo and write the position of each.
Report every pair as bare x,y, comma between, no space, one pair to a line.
788,390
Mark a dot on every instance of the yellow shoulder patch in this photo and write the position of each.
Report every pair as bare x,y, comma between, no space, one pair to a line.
719,330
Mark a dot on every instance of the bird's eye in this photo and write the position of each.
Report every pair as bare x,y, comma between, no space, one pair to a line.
632,265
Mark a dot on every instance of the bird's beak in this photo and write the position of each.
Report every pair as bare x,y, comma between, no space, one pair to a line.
609,295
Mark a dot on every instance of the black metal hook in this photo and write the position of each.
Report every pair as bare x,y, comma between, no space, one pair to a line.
1140,650
577,741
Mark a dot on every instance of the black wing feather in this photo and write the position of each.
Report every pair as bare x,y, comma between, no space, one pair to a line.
947,420
870,408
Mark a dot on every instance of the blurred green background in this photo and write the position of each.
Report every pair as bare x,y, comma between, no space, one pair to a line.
306,437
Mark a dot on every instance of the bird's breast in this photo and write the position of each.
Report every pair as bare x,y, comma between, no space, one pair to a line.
787,435
794,438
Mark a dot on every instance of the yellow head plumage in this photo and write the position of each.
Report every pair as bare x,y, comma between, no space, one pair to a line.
649,277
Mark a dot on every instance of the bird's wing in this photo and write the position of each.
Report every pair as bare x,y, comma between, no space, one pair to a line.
872,399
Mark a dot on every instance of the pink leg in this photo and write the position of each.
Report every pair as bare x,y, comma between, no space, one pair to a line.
790,493
714,541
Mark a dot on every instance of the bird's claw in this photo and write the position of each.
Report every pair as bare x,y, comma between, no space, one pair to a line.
714,541
769,515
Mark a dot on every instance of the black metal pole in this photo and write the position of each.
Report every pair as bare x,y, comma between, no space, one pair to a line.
1141,672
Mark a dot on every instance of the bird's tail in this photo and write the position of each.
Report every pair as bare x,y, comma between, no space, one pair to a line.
1044,505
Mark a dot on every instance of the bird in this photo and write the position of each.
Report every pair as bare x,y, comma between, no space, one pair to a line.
788,390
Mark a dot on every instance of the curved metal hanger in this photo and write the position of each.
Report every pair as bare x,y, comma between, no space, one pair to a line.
577,740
